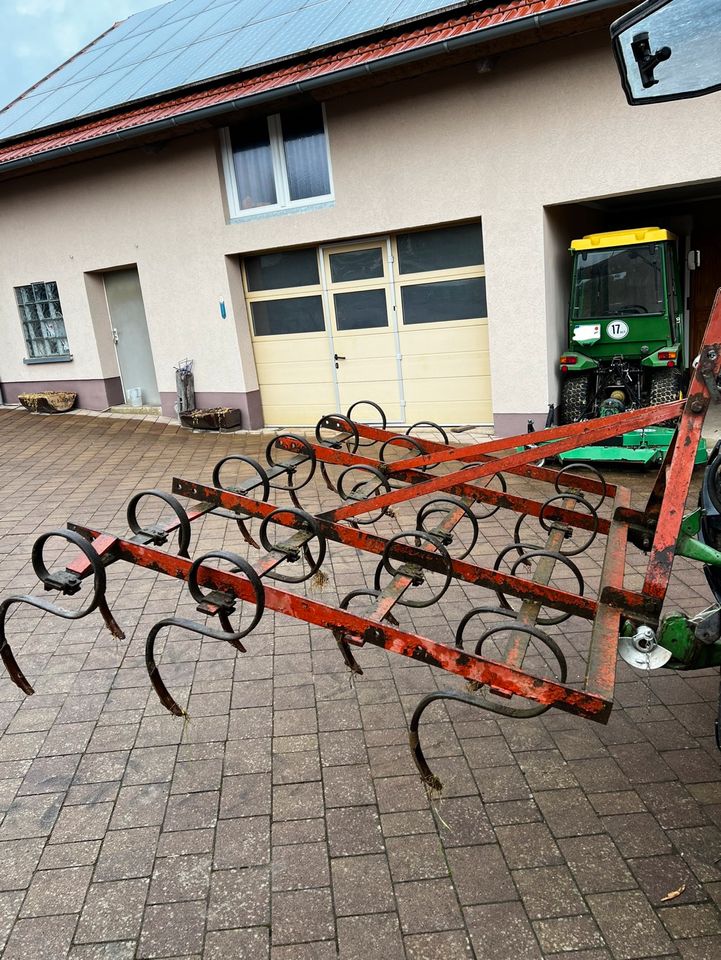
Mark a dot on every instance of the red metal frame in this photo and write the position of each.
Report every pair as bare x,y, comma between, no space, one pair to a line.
656,528
361,630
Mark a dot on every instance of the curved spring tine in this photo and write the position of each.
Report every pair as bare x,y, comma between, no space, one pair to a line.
164,695
156,680
343,645
249,461
184,530
225,623
308,523
348,658
64,582
110,622
427,776
309,457
385,564
522,713
246,534
294,498
369,403
6,653
327,479
343,426
227,633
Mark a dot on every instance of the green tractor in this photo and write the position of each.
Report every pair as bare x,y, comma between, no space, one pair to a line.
625,338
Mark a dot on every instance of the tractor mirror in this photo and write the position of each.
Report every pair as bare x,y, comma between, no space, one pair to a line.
669,50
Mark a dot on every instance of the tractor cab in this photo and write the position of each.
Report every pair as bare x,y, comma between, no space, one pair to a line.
625,336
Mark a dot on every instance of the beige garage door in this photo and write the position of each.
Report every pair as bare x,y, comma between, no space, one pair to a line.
399,320
444,325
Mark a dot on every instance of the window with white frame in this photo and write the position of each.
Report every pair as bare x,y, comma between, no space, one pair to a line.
42,321
278,162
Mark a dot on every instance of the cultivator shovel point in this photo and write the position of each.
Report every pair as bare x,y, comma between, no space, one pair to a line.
512,665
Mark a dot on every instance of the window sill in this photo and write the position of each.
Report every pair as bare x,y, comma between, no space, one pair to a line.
33,360
266,212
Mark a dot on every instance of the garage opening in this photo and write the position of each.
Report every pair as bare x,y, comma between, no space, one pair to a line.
691,213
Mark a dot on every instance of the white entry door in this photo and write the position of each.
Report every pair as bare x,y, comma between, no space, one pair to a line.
363,326
130,333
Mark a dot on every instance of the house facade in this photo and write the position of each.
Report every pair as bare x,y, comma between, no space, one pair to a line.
398,234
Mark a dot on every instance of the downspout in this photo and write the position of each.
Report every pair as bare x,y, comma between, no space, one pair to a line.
523,25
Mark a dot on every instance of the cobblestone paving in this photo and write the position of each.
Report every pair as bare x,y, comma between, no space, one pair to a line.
285,819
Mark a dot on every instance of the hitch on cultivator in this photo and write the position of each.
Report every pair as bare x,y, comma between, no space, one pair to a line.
514,666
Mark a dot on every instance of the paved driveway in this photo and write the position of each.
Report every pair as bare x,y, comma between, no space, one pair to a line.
285,818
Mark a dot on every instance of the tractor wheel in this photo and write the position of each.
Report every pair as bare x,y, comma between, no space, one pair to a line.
665,387
575,398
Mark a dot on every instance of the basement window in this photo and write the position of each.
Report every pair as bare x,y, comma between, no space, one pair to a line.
278,162
42,322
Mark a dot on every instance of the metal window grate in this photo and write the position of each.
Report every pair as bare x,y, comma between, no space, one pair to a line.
42,320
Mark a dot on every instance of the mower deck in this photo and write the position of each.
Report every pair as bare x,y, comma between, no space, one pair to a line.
644,448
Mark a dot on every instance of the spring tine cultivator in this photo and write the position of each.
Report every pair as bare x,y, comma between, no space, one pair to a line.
512,664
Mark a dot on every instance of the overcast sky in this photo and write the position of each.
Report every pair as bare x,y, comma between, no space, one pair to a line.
38,35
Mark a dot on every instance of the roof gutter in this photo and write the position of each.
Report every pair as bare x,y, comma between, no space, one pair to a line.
514,27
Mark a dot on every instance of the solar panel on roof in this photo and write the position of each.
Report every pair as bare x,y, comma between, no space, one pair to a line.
411,8
189,41
189,61
157,16
125,82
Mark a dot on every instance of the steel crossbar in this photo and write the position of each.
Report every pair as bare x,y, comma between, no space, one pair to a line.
361,630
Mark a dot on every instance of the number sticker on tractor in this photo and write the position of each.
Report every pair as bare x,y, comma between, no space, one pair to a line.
617,330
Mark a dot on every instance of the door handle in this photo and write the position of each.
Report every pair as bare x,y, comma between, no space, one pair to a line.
337,357
115,335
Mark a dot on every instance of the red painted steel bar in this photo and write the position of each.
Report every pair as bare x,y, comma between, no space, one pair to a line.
587,436
371,543
681,467
103,546
601,663
498,498
531,471
411,645
618,423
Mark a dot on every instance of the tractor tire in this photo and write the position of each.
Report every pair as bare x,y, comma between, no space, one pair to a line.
575,398
666,386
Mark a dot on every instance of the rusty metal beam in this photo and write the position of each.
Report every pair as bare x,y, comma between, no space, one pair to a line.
411,645
530,471
618,423
601,665
678,476
477,494
371,543
592,432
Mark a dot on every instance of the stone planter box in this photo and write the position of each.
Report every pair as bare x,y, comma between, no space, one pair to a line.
48,401
211,418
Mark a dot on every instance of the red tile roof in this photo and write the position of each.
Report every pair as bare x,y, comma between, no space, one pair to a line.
187,104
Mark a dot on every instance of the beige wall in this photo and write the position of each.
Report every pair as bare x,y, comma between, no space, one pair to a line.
162,212
548,126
